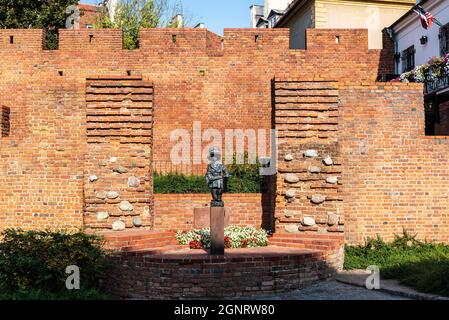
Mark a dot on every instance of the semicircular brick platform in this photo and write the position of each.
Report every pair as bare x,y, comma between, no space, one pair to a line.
149,265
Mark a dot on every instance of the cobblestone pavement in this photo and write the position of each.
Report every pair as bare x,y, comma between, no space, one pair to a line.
333,290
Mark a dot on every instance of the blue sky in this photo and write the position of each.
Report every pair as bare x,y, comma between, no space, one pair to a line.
217,15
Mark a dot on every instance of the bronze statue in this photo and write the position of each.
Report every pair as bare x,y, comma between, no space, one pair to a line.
216,177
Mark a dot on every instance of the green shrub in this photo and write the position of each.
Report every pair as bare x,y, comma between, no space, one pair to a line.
178,183
245,178
90,294
181,184
33,263
421,265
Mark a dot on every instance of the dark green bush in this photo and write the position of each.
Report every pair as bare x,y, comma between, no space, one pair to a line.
34,262
421,265
245,178
180,184
90,294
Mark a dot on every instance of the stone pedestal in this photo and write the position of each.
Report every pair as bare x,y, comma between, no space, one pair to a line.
201,217
217,226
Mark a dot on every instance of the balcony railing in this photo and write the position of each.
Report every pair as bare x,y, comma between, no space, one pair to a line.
433,84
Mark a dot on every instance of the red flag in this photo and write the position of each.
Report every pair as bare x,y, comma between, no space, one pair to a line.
426,18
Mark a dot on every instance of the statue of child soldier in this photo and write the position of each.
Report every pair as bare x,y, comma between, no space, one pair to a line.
216,177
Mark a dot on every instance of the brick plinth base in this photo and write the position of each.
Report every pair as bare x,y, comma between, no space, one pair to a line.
194,274
141,240
332,246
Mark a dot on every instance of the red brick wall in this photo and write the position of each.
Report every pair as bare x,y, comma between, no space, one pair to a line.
224,82
242,273
391,176
89,15
175,211
394,177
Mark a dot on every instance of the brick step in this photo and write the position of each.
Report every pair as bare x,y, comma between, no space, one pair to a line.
141,247
136,235
171,248
160,239
308,246
305,240
307,236
138,240
161,248
310,241
311,246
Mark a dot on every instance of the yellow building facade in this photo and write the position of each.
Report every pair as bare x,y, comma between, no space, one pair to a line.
342,14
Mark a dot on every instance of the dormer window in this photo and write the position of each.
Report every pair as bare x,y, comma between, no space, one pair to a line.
444,39
272,21
274,17
408,59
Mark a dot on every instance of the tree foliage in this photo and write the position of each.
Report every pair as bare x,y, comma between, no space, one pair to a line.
49,15
132,15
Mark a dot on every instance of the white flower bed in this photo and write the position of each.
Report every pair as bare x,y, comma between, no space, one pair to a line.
235,237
